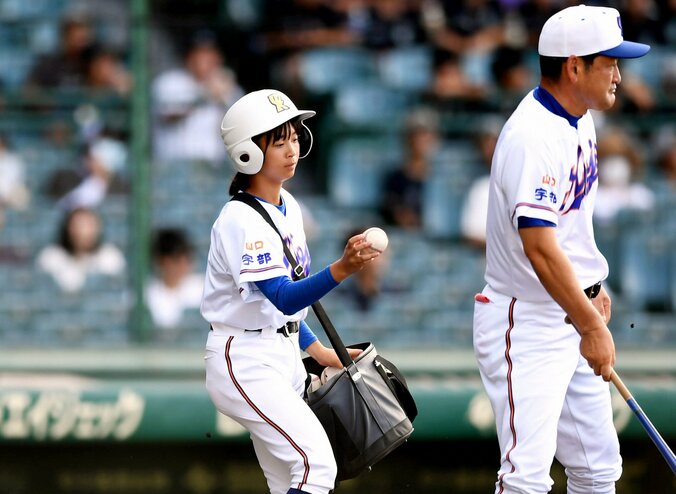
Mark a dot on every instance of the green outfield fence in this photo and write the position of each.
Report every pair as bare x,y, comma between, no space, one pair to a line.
147,395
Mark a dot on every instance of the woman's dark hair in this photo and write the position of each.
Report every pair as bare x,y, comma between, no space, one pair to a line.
170,242
551,67
64,239
242,181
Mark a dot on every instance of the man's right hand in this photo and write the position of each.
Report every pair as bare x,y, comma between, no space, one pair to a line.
598,348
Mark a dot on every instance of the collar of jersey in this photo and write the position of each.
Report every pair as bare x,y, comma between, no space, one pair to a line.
281,207
548,101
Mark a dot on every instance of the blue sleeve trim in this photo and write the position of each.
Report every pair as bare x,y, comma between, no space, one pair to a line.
525,222
306,336
291,296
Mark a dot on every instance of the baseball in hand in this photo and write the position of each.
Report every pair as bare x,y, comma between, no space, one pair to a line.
377,238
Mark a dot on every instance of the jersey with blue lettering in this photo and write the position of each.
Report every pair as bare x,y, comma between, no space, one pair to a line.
245,249
544,168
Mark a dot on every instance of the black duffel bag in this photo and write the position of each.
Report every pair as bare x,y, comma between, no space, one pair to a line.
366,409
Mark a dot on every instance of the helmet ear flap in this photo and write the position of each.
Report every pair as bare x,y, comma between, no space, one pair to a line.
247,157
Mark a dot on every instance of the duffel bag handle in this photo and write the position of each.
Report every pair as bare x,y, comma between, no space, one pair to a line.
298,274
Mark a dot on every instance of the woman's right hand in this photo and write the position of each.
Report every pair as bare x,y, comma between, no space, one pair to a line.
356,255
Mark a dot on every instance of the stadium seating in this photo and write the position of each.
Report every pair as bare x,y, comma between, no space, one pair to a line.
455,166
367,96
370,105
407,68
14,65
324,70
645,268
356,169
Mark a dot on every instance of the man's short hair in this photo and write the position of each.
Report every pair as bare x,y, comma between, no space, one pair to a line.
551,67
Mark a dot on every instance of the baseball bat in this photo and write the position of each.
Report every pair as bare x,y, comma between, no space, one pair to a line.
661,444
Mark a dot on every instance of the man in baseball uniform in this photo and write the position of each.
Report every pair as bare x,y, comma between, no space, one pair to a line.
540,325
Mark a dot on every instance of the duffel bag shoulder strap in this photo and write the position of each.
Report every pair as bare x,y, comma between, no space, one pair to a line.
298,274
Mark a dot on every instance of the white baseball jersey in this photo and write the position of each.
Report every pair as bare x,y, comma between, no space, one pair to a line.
245,249
546,399
543,168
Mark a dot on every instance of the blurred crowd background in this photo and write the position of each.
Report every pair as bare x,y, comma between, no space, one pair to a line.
112,169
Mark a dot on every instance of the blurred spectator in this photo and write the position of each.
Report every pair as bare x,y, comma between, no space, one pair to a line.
111,17
512,76
190,101
175,287
635,94
391,24
466,26
80,252
475,207
105,72
665,157
471,29
666,14
450,84
100,173
641,22
13,191
292,26
402,189
534,13
620,168
67,66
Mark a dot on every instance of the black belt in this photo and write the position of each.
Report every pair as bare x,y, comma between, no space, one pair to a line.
593,291
287,330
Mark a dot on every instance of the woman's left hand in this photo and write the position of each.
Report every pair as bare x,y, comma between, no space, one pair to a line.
327,357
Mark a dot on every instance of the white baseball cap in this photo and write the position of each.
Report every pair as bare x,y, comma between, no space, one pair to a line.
584,30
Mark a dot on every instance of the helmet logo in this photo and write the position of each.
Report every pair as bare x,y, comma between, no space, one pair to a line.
278,102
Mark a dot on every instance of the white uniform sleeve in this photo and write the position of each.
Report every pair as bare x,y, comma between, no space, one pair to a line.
530,182
255,253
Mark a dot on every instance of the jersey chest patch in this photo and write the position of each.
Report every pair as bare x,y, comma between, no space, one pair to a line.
301,253
582,176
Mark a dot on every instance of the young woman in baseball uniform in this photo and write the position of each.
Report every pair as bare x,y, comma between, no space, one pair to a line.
545,376
254,371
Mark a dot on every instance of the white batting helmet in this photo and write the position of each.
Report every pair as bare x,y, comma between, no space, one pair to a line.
253,114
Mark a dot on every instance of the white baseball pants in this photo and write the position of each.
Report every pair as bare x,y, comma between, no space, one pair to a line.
546,399
257,378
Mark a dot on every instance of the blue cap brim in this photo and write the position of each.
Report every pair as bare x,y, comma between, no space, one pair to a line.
627,49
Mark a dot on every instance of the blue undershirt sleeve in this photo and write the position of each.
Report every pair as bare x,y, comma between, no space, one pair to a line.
525,222
306,336
291,296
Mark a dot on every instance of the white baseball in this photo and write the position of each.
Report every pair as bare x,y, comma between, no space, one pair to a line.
328,373
377,237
